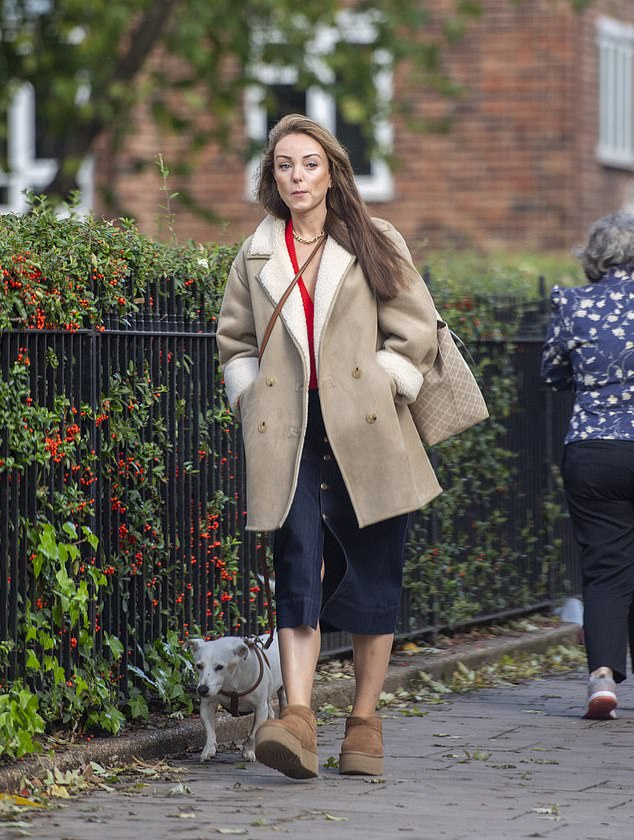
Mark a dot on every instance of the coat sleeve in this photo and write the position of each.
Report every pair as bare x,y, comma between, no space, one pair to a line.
236,336
556,367
408,324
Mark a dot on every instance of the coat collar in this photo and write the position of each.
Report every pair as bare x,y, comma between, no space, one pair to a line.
269,242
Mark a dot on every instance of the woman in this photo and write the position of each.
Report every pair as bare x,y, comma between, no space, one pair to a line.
334,462
590,347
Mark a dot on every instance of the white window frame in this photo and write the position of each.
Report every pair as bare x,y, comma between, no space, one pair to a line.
615,41
25,170
321,105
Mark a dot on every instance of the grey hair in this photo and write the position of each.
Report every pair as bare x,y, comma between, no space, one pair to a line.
610,243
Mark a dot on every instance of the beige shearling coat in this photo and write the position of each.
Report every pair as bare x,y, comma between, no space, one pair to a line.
371,358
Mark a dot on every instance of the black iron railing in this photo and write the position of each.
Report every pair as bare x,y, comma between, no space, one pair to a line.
180,517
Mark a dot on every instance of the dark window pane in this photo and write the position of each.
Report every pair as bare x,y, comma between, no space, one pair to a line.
287,99
47,144
4,151
4,194
351,136
282,100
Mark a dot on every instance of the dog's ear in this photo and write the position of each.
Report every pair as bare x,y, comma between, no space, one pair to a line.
193,644
241,650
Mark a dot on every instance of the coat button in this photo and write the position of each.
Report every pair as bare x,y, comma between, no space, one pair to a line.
356,372
262,426
270,381
371,417
327,457
323,486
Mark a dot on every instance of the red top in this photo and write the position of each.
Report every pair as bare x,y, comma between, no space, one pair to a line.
309,306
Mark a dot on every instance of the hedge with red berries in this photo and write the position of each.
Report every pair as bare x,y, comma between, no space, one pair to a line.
119,474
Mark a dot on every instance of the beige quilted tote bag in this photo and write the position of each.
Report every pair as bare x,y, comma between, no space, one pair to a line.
450,400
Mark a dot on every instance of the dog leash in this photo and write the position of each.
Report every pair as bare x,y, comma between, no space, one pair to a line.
254,644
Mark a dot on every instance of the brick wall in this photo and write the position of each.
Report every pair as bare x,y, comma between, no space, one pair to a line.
516,167
600,189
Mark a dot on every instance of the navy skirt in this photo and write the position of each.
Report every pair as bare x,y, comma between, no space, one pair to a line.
361,588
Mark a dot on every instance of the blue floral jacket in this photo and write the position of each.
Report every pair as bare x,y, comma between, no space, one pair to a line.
590,347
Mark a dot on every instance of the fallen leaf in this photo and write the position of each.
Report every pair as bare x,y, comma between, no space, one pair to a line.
107,788
410,648
60,791
21,800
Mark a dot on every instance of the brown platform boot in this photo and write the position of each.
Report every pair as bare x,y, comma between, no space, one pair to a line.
362,748
290,743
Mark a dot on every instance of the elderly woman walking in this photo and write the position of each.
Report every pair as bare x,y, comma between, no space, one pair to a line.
590,348
334,461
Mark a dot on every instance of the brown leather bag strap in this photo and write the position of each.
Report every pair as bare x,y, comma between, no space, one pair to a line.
284,298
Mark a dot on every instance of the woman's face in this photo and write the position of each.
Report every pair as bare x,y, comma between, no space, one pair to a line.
302,173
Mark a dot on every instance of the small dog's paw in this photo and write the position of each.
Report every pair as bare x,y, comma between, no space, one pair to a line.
207,753
248,753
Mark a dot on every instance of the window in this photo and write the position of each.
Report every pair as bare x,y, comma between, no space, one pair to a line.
278,94
616,93
25,169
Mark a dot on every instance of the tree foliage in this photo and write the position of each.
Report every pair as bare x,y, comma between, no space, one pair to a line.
90,61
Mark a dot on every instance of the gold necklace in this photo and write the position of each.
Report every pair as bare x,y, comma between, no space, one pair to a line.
298,238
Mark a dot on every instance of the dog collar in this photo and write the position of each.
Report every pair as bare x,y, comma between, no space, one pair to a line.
254,644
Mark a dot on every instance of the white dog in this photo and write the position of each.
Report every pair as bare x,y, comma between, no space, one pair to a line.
240,676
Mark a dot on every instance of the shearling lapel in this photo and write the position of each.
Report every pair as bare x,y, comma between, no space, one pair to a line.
275,277
334,265
277,273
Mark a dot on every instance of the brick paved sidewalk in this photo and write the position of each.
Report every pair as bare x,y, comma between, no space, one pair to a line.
514,762
179,736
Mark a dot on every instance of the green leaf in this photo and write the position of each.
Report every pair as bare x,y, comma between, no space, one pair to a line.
138,706
115,646
32,662
93,539
70,529
48,542
38,562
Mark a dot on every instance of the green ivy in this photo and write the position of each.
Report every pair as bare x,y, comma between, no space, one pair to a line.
20,722
70,274
461,564
166,672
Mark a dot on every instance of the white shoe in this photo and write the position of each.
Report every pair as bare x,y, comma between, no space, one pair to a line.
601,699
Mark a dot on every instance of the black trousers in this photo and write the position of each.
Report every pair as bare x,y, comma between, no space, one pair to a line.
599,483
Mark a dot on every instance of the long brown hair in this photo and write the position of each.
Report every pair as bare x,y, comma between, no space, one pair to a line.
347,217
